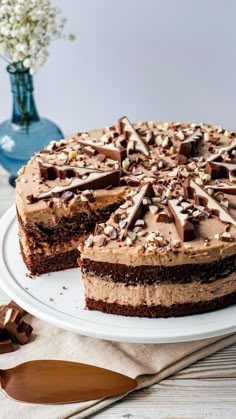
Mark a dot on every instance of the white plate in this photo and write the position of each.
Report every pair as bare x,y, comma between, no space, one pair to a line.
47,298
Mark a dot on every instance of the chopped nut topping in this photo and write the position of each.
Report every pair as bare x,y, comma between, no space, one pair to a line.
153,209
72,155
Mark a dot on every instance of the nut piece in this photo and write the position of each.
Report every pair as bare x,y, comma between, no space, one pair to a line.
72,155
21,171
153,209
167,143
126,163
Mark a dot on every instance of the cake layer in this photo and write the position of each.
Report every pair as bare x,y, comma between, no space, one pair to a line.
39,264
146,274
175,310
41,257
165,295
68,227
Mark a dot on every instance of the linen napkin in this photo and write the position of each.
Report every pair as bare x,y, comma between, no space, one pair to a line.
149,363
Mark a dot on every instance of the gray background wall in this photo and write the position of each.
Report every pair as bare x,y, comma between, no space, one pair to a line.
149,59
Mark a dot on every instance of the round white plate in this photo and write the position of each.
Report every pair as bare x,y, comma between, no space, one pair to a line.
59,299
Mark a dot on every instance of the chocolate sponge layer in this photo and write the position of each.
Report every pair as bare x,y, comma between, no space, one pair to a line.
145,274
176,310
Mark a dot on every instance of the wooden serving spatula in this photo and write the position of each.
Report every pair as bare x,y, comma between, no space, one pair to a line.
53,382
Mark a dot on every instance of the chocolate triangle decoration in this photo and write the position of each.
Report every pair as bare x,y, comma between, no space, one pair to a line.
113,152
94,180
50,172
136,211
188,146
221,170
201,197
131,134
218,155
223,187
184,227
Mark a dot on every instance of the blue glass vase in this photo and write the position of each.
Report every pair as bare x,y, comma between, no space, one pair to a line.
25,133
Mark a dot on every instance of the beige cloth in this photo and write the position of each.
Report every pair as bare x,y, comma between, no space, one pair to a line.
148,363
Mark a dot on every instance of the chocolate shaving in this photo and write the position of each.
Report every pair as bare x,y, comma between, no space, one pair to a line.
184,227
201,197
188,146
127,129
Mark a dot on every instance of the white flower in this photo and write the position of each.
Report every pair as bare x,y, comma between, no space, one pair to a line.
27,63
3,48
26,30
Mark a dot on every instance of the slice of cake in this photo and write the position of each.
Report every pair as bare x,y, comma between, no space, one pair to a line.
162,198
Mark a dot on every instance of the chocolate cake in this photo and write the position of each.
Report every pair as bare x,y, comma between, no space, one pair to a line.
148,210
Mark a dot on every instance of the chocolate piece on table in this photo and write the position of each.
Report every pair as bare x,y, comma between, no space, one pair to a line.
163,217
188,146
17,328
6,345
127,128
21,310
201,197
184,227
3,310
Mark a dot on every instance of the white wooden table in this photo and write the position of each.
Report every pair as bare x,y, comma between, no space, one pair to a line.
207,389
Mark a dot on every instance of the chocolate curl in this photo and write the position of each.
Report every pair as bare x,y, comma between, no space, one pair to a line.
201,197
184,227
126,128
188,146
94,180
221,170
110,150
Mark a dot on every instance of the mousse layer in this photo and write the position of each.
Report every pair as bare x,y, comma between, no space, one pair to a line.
102,289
